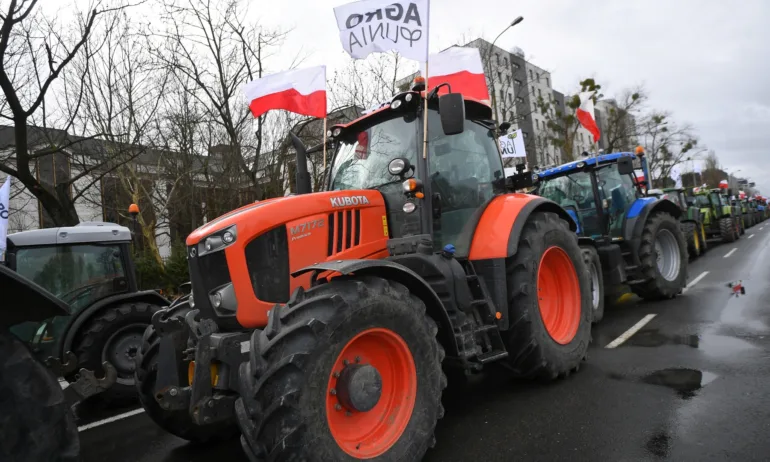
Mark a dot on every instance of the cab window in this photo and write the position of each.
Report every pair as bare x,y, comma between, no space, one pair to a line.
619,192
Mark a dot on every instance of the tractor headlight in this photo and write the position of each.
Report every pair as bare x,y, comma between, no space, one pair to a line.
217,241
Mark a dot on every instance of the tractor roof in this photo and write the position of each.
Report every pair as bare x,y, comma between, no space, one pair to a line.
474,109
83,233
573,166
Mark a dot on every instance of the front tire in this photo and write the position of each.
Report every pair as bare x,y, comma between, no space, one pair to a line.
335,340
549,301
115,335
727,229
594,266
36,420
663,258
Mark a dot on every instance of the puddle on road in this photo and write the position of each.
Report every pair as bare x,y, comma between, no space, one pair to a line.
654,338
708,343
685,382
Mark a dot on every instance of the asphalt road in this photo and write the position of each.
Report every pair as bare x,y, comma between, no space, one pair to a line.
690,384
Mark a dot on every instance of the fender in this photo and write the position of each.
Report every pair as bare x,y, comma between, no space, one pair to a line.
637,216
76,322
401,274
499,229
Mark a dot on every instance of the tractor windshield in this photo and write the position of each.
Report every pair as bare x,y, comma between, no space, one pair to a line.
575,194
702,201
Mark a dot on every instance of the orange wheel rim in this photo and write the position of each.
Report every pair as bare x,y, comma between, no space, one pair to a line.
558,292
370,433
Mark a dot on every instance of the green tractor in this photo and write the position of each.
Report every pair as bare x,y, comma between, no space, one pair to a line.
719,217
691,220
741,210
89,267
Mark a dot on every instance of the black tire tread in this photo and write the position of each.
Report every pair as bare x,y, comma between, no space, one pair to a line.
272,379
651,289
727,229
526,354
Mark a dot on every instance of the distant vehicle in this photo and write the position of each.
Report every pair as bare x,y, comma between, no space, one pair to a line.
626,236
691,219
89,267
719,217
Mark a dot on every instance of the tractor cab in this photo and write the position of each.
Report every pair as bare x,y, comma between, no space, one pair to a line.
597,192
435,194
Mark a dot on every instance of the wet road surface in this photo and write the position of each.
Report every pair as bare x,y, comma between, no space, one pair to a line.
693,383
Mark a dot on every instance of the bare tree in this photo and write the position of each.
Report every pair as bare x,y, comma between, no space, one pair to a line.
35,49
620,131
209,43
367,83
666,144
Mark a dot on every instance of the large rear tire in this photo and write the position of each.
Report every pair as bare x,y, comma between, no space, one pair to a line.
179,422
663,258
363,336
36,421
727,229
549,301
115,335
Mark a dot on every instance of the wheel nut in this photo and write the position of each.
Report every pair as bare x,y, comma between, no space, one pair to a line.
337,407
333,391
348,413
358,359
173,392
345,362
336,375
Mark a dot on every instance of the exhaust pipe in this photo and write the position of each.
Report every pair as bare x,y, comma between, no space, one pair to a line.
303,177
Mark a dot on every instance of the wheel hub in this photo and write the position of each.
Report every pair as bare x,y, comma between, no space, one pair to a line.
359,387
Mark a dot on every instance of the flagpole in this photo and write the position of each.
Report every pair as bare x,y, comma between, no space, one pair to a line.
324,146
425,122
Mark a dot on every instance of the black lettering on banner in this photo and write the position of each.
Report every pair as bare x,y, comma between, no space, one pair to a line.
413,14
353,40
394,12
413,36
370,16
378,30
387,33
354,17
3,212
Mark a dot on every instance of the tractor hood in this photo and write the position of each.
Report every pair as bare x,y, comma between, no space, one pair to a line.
26,301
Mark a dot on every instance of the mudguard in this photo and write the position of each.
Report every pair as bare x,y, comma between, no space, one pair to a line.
65,341
637,216
18,291
498,231
401,274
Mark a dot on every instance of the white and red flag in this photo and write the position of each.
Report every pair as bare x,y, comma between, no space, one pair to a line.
302,91
585,114
461,68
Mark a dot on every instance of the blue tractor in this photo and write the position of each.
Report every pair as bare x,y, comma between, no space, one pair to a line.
626,236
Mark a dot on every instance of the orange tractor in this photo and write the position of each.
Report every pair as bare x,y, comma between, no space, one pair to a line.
324,323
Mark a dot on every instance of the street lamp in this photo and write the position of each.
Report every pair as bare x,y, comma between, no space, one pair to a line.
489,64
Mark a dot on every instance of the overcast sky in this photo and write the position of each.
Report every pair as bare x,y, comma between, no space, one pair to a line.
706,61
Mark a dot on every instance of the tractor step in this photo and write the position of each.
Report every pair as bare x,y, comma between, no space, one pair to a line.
486,330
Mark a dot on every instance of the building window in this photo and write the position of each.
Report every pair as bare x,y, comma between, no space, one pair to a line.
512,117
537,124
500,77
533,90
538,76
517,82
505,62
531,77
502,96
509,80
516,65
539,93
547,81
497,57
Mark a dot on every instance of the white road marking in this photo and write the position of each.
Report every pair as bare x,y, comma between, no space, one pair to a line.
114,418
696,280
730,252
630,332
750,236
761,228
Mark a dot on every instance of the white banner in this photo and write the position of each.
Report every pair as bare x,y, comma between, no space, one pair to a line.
377,26
512,145
5,210
676,175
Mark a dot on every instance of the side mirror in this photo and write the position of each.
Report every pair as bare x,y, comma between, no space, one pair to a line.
185,288
625,166
451,108
504,127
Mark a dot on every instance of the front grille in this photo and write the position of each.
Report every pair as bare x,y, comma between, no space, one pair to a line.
344,231
267,258
213,270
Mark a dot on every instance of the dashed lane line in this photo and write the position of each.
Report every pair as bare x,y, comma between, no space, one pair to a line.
630,332
750,236
727,255
114,418
696,280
